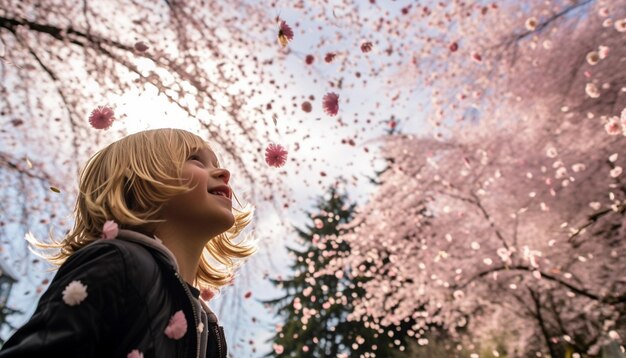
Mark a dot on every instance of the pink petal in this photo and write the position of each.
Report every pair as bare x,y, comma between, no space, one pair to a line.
366,47
286,31
331,103
135,353
275,155
206,294
102,117
141,46
177,327
110,230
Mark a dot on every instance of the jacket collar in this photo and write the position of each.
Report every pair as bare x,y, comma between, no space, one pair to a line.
152,242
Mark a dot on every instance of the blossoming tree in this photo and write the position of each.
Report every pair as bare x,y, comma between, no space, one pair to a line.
513,214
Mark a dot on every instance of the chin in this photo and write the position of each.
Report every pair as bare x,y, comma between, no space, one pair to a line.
226,223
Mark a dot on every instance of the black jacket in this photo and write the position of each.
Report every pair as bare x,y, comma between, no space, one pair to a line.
133,289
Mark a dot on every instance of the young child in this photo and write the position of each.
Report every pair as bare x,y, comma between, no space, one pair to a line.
154,210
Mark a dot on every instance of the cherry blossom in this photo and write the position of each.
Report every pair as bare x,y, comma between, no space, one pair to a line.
331,103
285,34
207,294
329,57
109,230
102,117
275,155
531,23
141,46
177,326
135,353
592,90
366,47
74,293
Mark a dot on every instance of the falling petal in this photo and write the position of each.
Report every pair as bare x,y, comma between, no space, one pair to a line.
109,230
135,353
74,293
102,117
331,103
206,294
531,23
285,34
177,326
141,46
366,47
275,155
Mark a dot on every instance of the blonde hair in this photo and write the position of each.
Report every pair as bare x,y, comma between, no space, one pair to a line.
129,181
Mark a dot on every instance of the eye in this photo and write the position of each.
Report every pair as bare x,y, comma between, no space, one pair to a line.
196,158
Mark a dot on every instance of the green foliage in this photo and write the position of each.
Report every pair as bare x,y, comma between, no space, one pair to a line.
320,326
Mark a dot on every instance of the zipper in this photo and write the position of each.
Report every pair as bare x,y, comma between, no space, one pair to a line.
195,316
218,338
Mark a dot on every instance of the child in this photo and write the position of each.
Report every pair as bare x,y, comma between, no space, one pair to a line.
153,209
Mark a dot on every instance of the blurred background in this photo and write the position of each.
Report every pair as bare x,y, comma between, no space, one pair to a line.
453,184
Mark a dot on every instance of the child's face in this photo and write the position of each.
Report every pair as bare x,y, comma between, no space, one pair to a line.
199,212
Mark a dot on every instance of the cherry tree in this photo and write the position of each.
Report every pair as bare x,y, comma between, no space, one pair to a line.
513,213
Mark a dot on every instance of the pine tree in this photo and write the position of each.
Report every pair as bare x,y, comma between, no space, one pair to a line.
315,309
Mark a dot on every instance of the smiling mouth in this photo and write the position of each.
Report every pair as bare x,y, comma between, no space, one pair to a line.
222,195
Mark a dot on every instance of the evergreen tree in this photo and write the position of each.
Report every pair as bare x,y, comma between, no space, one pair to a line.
315,307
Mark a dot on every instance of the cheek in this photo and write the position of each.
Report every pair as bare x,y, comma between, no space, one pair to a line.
194,176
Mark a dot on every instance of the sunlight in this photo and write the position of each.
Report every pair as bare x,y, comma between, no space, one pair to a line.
141,110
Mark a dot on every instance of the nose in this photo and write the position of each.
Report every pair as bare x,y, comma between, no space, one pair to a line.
222,173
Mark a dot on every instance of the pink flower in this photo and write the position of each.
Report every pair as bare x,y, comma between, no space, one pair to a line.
102,117
613,127
366,47
74,293
135,353
531,23
603,51
623,116
207,294
285,34
329,57
306,106
615,172
453,47
275,155
278,348
141,46
331,103
592,90
177,327
109,230
309,59
593,57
